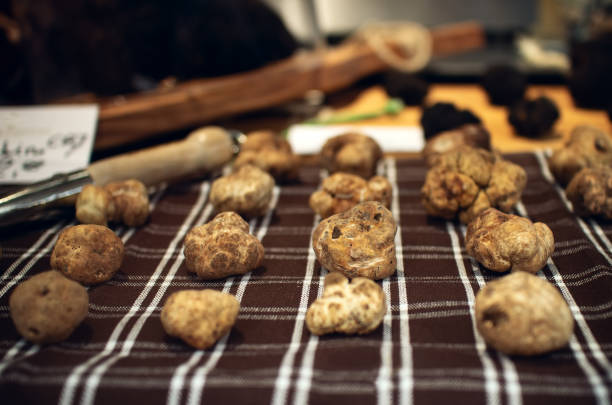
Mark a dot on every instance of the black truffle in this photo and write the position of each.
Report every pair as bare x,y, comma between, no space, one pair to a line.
443,117
408,87
533,118
504,84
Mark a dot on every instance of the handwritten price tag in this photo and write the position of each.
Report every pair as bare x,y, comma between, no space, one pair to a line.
38,142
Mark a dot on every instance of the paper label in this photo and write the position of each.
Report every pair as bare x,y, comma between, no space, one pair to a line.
38,142
308,139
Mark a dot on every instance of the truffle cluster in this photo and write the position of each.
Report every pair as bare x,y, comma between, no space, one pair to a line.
466,181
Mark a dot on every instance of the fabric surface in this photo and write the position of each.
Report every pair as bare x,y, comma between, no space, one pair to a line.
427,350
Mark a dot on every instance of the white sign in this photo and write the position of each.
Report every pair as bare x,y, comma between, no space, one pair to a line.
308,138
38,142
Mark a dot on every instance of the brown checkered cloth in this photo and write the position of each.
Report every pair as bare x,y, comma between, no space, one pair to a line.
426,351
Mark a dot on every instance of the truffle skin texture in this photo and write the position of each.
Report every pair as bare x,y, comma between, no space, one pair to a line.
355,307
442,117
342,191
590,192
533,118
466,181
48,307
131,202
124,201
474,135
351,153
502,242
586,147
223,247
522,314
271,153
504,84
89,254
199,317
358,242
247,191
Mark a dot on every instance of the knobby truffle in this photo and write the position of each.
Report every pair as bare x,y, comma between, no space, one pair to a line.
358,242
466,181
503,242
441,117
523,314
89,254
222,247
351,153
199,317
342,191
271,153
347,306
474,135
125,201
48,307
590,192
533,118
586,147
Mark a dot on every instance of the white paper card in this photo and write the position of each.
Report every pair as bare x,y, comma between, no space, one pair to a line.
38,142
308,138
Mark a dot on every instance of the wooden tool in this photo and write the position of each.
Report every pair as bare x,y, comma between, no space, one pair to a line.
204,150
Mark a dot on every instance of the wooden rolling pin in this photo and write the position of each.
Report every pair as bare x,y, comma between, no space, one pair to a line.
204,150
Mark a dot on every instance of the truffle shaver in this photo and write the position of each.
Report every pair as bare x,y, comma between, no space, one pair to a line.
202,151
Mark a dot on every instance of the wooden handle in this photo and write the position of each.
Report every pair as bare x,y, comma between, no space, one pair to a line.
203,150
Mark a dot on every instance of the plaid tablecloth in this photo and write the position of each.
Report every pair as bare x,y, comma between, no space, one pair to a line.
426,351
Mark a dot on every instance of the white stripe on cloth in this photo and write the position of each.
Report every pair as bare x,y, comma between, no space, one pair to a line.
512,386
406,383
34,249
384,380
305,373
69,387
283,378
492,389
599,388
198,381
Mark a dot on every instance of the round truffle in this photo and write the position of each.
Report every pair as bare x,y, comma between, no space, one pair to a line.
406,86
505,84
533,118
48,307
347,306
199,317
351,153
523,314
222,247
442,117
358,242
89,254
247,191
